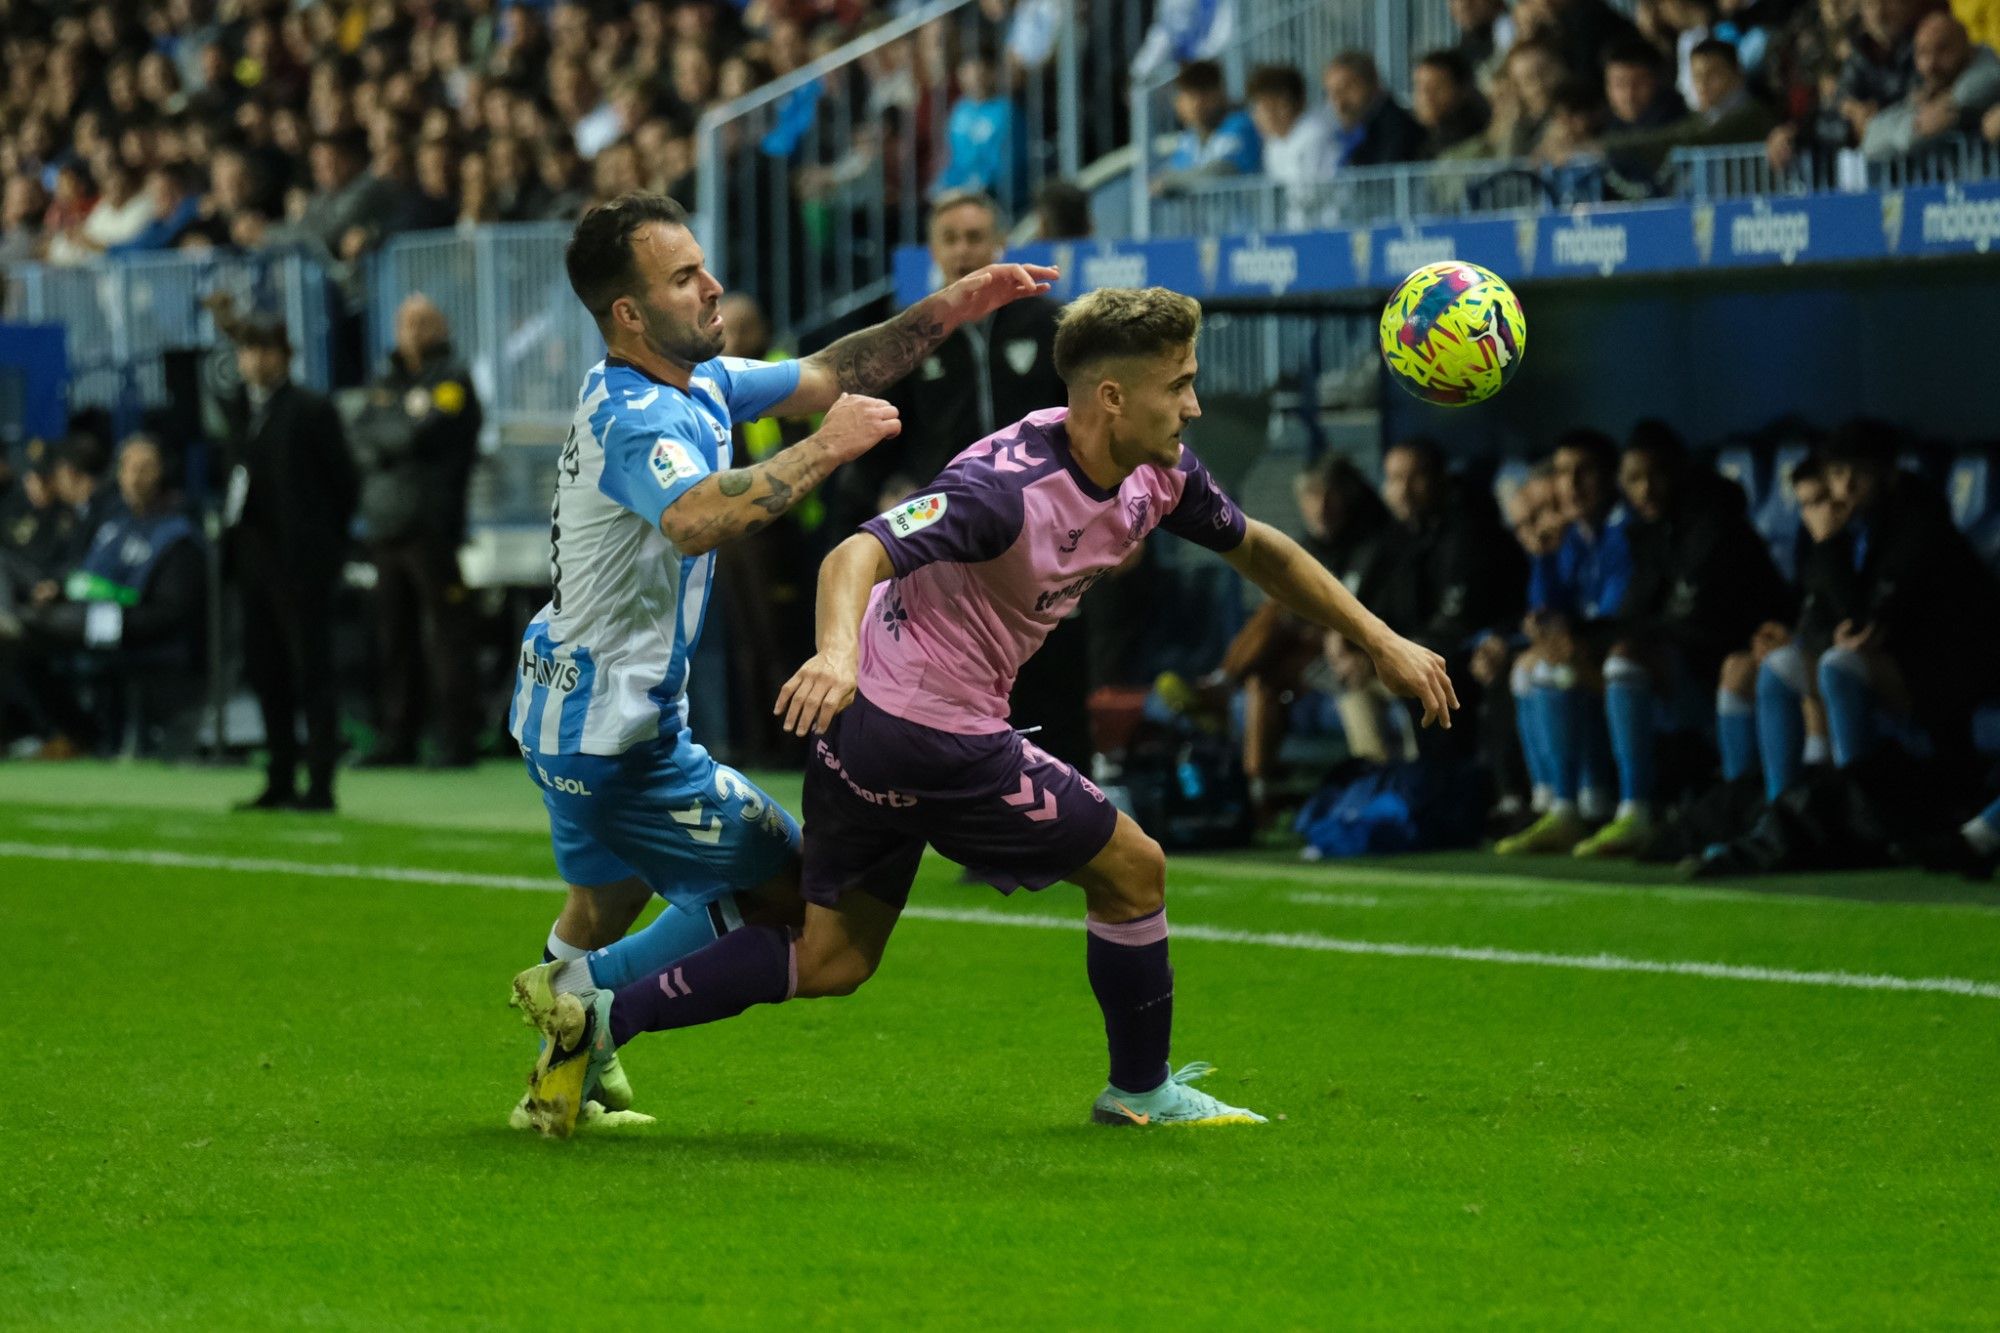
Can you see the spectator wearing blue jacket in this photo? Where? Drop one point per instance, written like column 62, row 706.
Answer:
column 176, row 208
column 1575, row 594
column 1216, row 139
column 985, row 149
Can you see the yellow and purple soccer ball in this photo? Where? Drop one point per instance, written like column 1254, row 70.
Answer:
column 1453, row 333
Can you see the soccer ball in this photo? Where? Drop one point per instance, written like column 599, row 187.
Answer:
column 1453, row 333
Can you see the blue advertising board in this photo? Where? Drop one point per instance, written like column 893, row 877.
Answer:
column 1603, row 241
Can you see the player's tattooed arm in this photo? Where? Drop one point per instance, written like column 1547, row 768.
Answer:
column 876, row 358
column 726, row 505
column 1284, row 569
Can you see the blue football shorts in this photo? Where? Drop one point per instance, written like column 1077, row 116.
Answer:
column 664, row 812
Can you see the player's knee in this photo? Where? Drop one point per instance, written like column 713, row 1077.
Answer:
column 833, row 972
column 604, row 914
column 1622, row 668
column 1785, row 668
column 1521, row 676
column 1142, row 886
column 1739, row 674
column 1837, row 663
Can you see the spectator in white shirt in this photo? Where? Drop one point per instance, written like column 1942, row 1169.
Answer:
column 1298, row 153
column 122, row 212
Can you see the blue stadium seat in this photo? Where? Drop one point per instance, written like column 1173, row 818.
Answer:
column 1740, row 466
column 1778, row 516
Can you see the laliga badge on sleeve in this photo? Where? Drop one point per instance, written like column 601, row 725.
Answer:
column 913, row 516
column 671, row 461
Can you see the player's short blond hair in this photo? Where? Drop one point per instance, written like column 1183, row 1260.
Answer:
column 1122, row 323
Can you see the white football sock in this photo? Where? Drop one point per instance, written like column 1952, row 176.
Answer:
column 1983, row 836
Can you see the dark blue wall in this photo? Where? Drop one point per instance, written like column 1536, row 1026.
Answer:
column 1913, row 343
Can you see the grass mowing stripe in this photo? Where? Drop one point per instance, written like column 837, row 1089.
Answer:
column 1323, row 874
column 1602, row 962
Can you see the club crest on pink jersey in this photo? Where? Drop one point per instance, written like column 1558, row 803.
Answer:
column 1139, row 513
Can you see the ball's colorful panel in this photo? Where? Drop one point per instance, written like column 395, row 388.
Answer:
column 1453, row 333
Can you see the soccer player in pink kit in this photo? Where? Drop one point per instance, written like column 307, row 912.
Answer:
column 924, row 617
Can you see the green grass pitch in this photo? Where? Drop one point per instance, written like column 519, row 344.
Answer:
column 258, row 1069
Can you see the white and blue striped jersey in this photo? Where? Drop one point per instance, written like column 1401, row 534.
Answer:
column 604, row 665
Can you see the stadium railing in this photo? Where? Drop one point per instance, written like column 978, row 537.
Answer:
column 1739, row 171
column 1357, row 195
column 803, row 195
column 1425, row 190
column 514, row 321
column 123, row 316
column 1301, row 33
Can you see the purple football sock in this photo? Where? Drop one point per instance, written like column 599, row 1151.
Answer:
column 1134, row 986
column 754, row 965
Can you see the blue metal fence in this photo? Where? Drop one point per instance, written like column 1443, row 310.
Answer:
column 506, row 296
column 123, row 316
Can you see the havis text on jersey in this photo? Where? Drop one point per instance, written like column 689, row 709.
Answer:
column 539, row 670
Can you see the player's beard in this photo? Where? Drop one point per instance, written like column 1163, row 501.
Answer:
column 678, row 341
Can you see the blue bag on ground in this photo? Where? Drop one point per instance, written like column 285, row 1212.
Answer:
column 1372, row 810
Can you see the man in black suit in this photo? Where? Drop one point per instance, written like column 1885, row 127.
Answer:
column 291, row 496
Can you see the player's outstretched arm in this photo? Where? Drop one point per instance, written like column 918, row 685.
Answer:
column 877, row 357
column 726, row 505
column 825, row 684
column 1282, row 568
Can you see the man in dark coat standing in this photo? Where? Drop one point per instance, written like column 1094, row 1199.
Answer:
column 289, row 502
column 989, row 373
column 416, row 441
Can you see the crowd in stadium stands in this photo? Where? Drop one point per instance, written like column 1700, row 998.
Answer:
column 1650, row 667
column 178, row 124
column 1597, row 101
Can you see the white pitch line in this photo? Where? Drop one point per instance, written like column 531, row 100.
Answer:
column 1310, row 898
column 257, row 865
column 1601, row 962
column 1597, row 962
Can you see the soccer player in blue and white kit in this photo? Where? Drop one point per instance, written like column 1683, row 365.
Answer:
column 645, row 492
